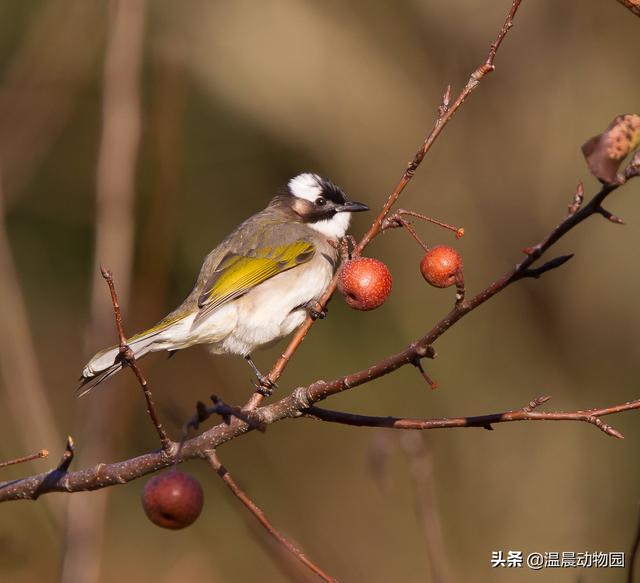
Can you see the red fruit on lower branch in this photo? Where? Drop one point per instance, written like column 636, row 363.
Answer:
column 173, row 499
column 440, row 266
column 365, row 283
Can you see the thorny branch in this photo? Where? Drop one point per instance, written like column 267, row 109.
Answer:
column 297, row 404
column 301, row 402
column 446, row 111
column 226, row 412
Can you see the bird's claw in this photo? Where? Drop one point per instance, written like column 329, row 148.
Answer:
column 316, row 311
column 265, row 385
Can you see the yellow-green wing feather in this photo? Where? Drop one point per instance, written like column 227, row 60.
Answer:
column 159, row 327
column 237, row 274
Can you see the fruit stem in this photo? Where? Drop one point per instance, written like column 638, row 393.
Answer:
column 458, row 231
column 412, row 232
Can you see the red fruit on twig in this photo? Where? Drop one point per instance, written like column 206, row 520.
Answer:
column 365, row 283
column 440, row 265
column 173, row 500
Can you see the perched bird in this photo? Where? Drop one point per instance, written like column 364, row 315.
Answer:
column 258, row 285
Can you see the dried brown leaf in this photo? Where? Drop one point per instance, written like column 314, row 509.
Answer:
column 605, row 152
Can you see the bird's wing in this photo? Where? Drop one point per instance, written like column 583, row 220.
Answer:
column 236, row 274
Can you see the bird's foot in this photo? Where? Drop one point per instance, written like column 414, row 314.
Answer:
column 265, row 385
column 315, row 310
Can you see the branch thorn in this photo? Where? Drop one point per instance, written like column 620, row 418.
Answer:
column 609, row 216
column 536, row 272
column 418, row 364
column 67, row 456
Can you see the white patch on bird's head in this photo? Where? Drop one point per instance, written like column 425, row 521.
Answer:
column 307, row 186
column 321, row 204
column 335, row 227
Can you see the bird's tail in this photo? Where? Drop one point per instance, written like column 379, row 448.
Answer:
column 109, row 361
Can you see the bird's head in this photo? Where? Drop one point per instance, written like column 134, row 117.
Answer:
column 321, row 204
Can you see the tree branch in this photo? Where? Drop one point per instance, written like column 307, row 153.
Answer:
column 445, row 114
column 633, row 5
column 130, row 360
column 27, row 458
column 298, row 403
column 216, row 464
column 301, row 402
column 591, row 416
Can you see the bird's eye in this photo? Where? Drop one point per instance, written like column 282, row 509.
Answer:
column 320, row 201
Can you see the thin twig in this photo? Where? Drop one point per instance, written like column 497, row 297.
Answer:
column 632, row 5
column 610, row 216
column 445, row 114
column 400, row 222
column 591, row 416
column 122, row 339
column 536, row 272
column 227, row 412
column 129, row 358
column 397, row 220
column 418, row 364
column 27, row 458
column 239, row 493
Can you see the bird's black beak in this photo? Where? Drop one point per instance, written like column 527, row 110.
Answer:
column 352, row 207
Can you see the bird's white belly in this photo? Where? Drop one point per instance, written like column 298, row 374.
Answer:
column 274, row 309
column 213, row 330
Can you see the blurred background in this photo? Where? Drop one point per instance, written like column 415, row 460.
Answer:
column 138, row 134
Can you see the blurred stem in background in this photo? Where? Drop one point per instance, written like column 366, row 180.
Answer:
column 416, row 447
column 57, row 52
column 25, row 394
column 115, row 191
column 159, row 222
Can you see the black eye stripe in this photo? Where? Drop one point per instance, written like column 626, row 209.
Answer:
column 330, row 192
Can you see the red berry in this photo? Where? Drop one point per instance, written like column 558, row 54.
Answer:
column 173, row 499
column 365, row 283
column 440, row 265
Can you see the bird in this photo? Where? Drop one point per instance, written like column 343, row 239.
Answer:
column 257, row 286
